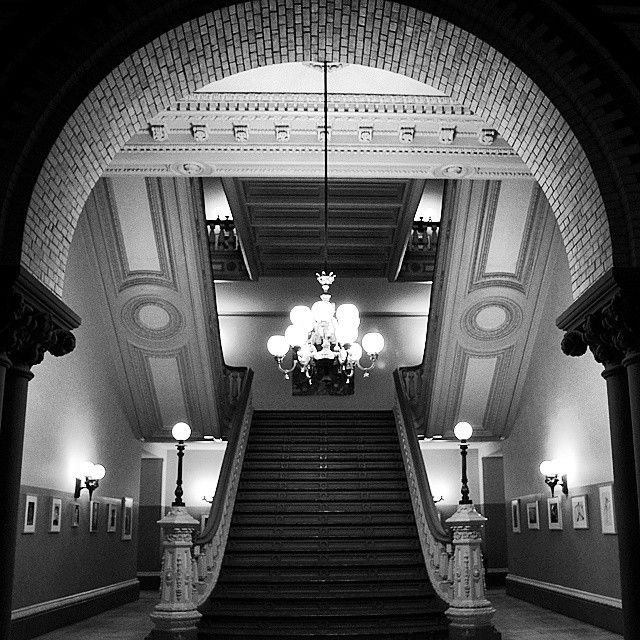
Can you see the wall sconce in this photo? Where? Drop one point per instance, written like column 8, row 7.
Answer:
column 552, row 472
column 88, row 477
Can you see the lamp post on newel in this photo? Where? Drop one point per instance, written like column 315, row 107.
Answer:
column 470, row 612
column 175, row 617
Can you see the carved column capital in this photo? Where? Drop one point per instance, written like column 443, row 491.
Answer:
column 26, row 334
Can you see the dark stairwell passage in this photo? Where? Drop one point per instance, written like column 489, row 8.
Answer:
column 323, row 541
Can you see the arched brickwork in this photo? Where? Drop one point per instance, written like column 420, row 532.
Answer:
column 374, row 33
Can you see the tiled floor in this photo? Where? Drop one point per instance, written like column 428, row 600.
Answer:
column 517, row 620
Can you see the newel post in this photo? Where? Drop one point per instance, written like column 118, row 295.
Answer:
column 470, row 612
column 176, row 617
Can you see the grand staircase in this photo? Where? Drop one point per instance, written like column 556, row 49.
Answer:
column 323, row 541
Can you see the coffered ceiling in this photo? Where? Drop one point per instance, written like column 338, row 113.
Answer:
column 281, row 224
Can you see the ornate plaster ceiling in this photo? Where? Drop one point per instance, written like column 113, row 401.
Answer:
column 147, row 238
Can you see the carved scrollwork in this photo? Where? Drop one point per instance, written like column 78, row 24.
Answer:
column 26, row 334
column 610, row 333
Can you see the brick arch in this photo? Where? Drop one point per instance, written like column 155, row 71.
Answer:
column 389, row 36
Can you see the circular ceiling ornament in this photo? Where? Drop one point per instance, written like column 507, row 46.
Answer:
column 492, row 318
column 190, row 168
column 152, row 318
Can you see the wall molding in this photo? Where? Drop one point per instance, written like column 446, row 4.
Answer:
column 601, row 611
column 75, row 598
column 568, row 591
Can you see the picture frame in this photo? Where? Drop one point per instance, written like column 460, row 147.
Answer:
column 607, row 511
column 55, row 516
column 554, row 513
column 533, row 515
column 30, row 513
column 127, row 518
column 515, row 515
column 94, row 516
column 75, row 515
column 579, row 514
column 112, row 517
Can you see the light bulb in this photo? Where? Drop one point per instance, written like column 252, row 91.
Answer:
column 463, row 431
column 301, row 316
column 373, row 343
column 322, row 310
column 295, row 335
column 181, row 431
column 355, row 352
column 98, row 472
column 278, row 346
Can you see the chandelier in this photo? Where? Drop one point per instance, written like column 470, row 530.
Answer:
column 322, row 336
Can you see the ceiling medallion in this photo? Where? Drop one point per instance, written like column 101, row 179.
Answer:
column 323, row 339
column 492, row 318
column 152, row 318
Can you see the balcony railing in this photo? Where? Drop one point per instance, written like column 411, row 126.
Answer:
column 419, row 260
column 227, row 262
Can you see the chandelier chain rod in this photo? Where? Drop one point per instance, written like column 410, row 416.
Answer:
column 326, row 171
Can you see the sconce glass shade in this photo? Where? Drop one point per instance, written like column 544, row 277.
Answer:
column 99, row 472
column 277, row 346
column 550, row 468
column 373, row 343
column 463, row 431
column 181, row 431
column 85, row 469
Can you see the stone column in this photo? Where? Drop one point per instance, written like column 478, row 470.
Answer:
column 470, row 612
column 176, row 617
column 602, row 332
column 32, row 333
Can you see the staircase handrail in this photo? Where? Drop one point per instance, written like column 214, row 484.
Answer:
column 436, row 542
column 209, row 546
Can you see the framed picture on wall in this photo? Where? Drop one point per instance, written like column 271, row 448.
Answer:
column 579, row 515
column 75, row 515
column 554, row 513
column 94, row 515
column 607, row 513
column 533, row 515
column 112, row 517
column 127, row 518
column 55, row 516
column 30, row 511
column 515, row 515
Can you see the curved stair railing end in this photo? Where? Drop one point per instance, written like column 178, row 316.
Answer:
column 453, row 558
column 191, row 564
